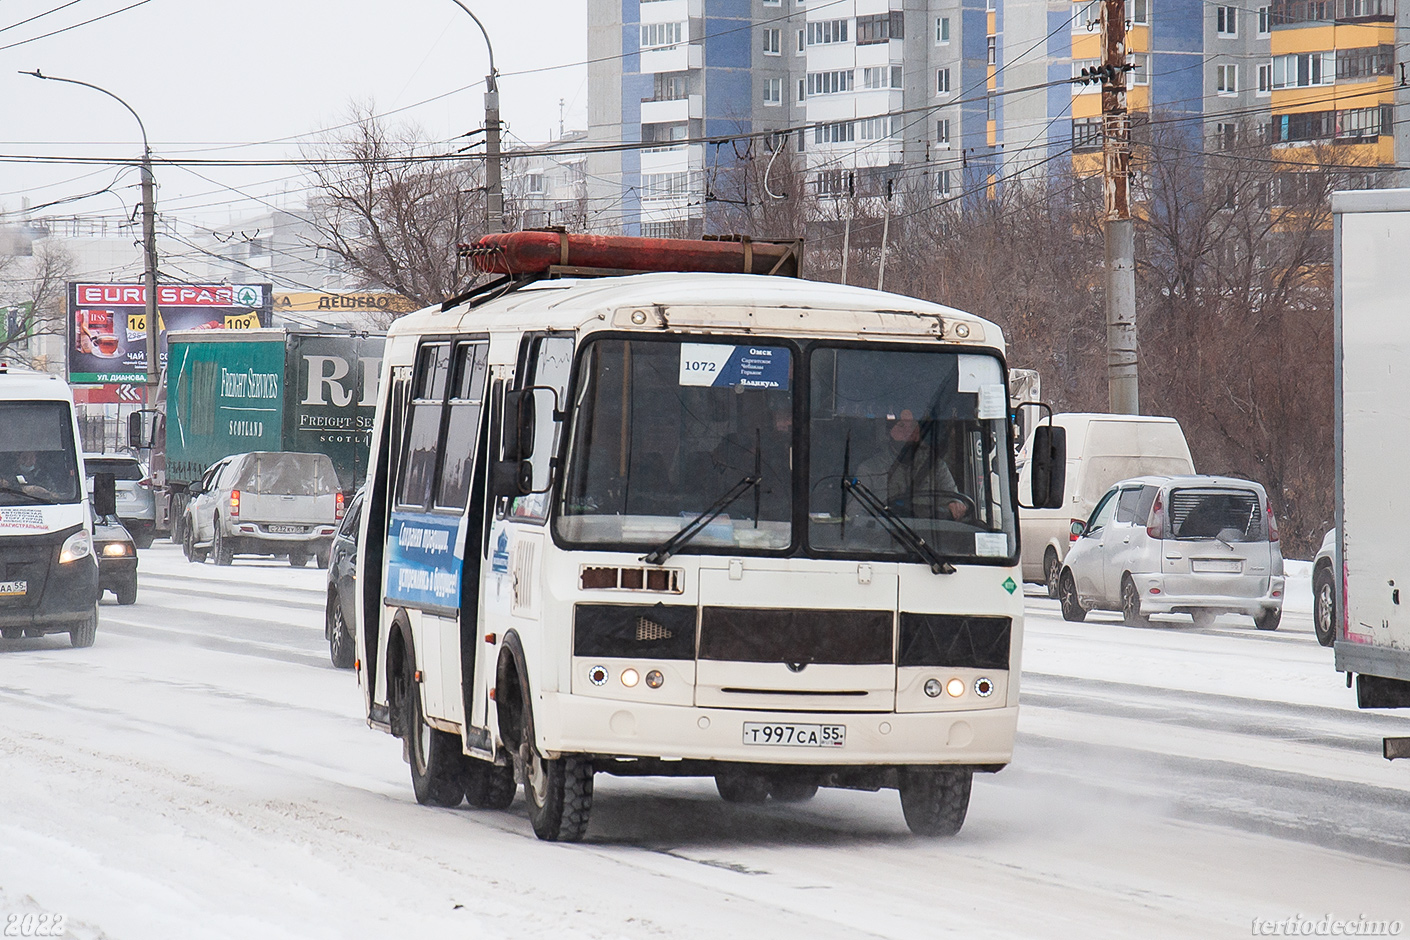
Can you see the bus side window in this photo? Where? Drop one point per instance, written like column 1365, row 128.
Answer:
column 424, row 427
column 462, row 434
column 547, row 362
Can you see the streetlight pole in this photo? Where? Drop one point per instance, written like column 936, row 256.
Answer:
column 149, row 227
column 494, row 185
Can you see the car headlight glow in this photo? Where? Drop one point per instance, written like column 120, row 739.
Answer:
column 76, row 546
column 116, row 549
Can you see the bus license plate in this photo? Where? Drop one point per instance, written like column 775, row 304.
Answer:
column 790, row 735
column 12, row 588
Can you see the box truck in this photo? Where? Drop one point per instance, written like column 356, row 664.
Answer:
column 1370, row 231
column 236, row 391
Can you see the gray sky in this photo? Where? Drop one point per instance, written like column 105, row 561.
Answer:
column 215, row 79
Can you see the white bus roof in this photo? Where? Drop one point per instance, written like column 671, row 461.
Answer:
column 20, row 384
column 707, row 301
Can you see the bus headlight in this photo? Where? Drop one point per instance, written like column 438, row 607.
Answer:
column 76, row 546
column 654, row 679
column 630, row 677
column 955, row 687
column 933, row 688
column 983, row 687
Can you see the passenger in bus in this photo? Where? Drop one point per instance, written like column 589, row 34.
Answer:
column 30, row 475
column 909, row 473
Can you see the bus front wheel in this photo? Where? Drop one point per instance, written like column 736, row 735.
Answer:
column 435, row 756
column 559, row 794
column 935, row 799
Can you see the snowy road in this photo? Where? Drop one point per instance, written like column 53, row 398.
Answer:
column 203, row 771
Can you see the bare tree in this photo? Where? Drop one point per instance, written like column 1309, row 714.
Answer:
column 394, row 209
column 38, row 285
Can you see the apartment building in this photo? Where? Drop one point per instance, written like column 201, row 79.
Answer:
column 954, row 97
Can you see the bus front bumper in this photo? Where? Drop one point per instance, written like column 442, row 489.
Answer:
column 569, row 724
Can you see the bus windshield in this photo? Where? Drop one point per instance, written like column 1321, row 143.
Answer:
column 902, row 445
column 664, row 430
column 38, row 461
column 902, row 440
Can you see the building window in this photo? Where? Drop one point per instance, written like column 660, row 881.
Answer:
column 942, row 30
column 989, row 6
column 1140, row 12
column 942, row 132
column 665, row 184
column 1088, row 18
column 1265, row 79
column 989, row 107
column 881, row 27
column 991, row 49
column 802, row 139
column 1226, row 22
column 1304, row 69
column 942, row 81
column 1226, row 79
column 773, row 91
column 1086, row 134
column 1356, row 64
column 772, row 41
column 839, row 133
column 1224, row 135
column 832, row 182
column 1141, row 70
column 533, row 182
column 827, row 31
column 830, row 83
column 878, row 128
column 658, row 35
column 1078, row 65
column 942, row 183
column 1265, row 20
column 802, row 90
column 802, row 42
column 771, row 3
column 882, row 76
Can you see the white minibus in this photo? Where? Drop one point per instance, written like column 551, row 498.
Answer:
column 731, row 525
column 48, row 572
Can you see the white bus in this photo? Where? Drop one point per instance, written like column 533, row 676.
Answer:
column 729, row 525
column 48, row 572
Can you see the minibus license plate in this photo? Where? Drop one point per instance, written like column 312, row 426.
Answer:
column 791, row 735
column 12, row 588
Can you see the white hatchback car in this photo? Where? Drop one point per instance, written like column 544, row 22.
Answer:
column 1197, row 545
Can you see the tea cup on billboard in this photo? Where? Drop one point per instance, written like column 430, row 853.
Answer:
column 95, row 333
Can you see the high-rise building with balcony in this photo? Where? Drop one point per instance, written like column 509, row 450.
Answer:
column 954, row 97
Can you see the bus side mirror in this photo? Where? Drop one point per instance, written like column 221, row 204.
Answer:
column 104, row 494
column 1049, row 466
column 519, row 419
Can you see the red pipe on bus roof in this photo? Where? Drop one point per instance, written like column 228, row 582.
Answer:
column 536, row 252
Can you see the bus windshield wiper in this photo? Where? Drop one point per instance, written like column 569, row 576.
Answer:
column 896, row 526
column 7, row 488
column 696, row 525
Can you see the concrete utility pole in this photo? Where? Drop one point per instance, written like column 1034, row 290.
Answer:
column 494, row 185
column 149, row 232
column 1122, row 389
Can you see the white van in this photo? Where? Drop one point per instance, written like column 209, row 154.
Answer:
column 48, row 572
column 1102, row 449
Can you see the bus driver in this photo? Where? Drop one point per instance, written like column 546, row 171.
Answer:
column 910, row 474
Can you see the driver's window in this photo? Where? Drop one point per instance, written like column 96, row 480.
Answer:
column 1102, row 514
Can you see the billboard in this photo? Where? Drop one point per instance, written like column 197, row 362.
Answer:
column 107, row 323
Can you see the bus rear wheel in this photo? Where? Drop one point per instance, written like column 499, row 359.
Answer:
column 487, row 785
column 934, row 799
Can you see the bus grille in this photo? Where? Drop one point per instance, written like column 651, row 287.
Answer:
column 840, row 637
column 962, row 642
column 657, row 631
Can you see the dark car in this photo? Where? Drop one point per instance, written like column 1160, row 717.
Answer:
column 340, row 620
column 117, row 558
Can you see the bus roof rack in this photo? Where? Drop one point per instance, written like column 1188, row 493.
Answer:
column 554, row 252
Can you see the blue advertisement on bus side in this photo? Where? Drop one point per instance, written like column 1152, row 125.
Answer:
column 424, row 559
